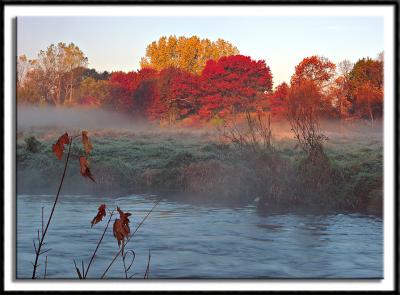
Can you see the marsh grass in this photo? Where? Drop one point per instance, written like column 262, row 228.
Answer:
column 197, row 165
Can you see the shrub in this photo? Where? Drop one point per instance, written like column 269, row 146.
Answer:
column 254, row 135
column 32, row 145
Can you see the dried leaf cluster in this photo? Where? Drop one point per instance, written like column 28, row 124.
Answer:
column 58, row 150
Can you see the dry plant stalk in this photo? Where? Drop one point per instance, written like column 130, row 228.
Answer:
column 121, row 232
column 41, row 243
column 255, row 134
column 128, row 239
column 304, row 117
column 58, row 150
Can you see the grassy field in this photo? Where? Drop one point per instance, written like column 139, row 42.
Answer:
column 197, row 166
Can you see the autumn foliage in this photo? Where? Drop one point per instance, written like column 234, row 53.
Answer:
column 303, row 114
column 58, row 147
column 100, row 214
column 121, row 229
column 58, row 150
column 229, row 85
column 314, row 68
column 186, row 53
column 84, row 167
column 278, row 101
column 87, row 145
column 233, row 84
column 191, row 80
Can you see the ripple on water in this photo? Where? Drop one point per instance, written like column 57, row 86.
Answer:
column 188, row 241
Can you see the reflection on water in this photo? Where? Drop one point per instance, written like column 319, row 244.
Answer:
column 189, row 241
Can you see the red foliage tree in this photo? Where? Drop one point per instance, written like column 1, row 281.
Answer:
column 122, row 88
column 132, row 91
column 90, row 101
column 146, row 94
column 278, row 101
column 147, row 100
column 179, row 91
column 147, row 74
column 232, row 84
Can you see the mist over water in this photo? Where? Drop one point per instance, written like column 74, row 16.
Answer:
column 30, row 118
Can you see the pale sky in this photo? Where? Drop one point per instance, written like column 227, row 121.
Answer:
column 118, row 43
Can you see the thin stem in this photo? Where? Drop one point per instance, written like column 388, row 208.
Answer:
column 126, row 269
column 42, row 221
column 83, row 267
column 137, row 228
column 78, row 271
column 98, row 245
column 45, row 268
column 51, row 214
column 123, row 261
column 146, row 275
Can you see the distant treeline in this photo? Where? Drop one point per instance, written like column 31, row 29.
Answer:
column 195, row 80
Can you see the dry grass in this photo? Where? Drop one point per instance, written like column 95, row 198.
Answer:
column 197, row 163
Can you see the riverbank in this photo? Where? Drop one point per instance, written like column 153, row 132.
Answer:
column 196, row 166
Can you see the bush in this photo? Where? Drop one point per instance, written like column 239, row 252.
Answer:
column 254, row 134
column 32, row 145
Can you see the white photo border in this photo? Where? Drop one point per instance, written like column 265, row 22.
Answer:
column 386, row 11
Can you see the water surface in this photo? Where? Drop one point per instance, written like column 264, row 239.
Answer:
column 189, row 241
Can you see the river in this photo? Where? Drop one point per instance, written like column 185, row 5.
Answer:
column 191, row 241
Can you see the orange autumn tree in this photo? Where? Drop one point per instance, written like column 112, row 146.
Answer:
column 368, row 101
column 338, row 94
column 314, row 68
column 339, row 91
column 186, row 53
column 320, row 71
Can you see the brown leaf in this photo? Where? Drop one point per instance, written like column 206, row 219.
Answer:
column 124, row 216
column 121, row 232
column 121, row 228
column 87, row 145
column 58, row 147
column 100, row 214
column 84, row 165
